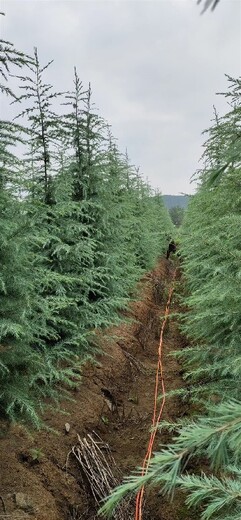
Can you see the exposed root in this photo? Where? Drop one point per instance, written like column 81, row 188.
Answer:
column 3, row 504
column 138, row 365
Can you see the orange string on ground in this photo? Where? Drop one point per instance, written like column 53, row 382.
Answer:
column 155, row 418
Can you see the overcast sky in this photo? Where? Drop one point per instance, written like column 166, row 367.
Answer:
column 154, row 67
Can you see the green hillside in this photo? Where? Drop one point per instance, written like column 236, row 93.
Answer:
column 172, row 201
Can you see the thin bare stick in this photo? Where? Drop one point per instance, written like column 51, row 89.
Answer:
column 96, row 462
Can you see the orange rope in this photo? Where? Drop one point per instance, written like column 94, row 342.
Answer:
column 155, row 418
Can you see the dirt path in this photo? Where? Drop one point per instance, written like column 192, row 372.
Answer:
column 34, row 482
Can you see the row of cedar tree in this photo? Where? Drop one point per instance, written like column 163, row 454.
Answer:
column 78, row 228
column 204, row 457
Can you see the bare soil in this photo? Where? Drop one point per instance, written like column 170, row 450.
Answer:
column 35, row 484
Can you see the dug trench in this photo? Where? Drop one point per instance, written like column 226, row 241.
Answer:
column 40, row 477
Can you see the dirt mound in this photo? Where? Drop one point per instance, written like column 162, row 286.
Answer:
column 115, row 400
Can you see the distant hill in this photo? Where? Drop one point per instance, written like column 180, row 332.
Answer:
column 172, row 201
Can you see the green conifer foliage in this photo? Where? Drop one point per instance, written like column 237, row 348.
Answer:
column 211, row 253
column 118, row 233
column 89, row 191
column 36, row 100
column 14, row 329
column 154, row 225
column 18, row 363
column 79, row 226
column 10, row 58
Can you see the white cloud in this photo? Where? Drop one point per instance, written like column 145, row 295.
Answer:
column 154, row 65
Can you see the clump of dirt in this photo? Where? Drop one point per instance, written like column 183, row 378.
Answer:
column 115, row 399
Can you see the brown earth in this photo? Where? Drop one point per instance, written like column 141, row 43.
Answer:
column 35, row 484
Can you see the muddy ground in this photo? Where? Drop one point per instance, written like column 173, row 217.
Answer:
column 35, row 484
